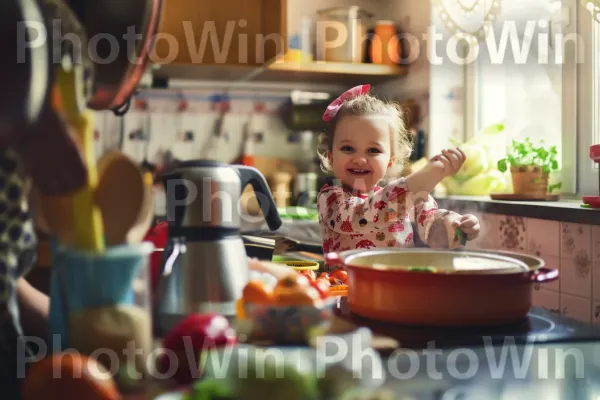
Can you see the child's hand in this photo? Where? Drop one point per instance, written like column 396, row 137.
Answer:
column 469, row 224
column 450, row 161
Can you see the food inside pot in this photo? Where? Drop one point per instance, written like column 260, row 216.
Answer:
column 441, row 262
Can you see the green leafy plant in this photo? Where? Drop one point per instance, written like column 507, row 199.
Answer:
column 524, row 153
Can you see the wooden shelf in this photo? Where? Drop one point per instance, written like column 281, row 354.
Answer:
column 327, row 72
column 310, row 72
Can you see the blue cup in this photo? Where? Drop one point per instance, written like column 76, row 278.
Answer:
column 82, row 280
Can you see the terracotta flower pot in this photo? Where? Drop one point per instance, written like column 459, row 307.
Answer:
column 530, row 180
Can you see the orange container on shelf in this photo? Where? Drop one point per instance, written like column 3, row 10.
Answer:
column 385, row 45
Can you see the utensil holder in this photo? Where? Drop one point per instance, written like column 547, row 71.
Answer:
column 100, row 305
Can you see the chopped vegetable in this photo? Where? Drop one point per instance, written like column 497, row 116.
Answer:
column 423, row 269
column 461, row 236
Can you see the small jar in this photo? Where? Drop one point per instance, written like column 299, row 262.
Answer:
column 385, row 46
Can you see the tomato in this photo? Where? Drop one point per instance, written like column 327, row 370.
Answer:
column 310, row 274
column 341, row 275
column 325, row 281
column 322, row 287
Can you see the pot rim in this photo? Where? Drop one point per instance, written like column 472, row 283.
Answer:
column 346, row 257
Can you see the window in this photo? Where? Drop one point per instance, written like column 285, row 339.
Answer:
column 588, row 102
column 526, row 89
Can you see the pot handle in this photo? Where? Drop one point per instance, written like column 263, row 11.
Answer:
column 334, row 259
column 544, row 274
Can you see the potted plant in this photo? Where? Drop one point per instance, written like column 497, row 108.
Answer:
column 530, row 166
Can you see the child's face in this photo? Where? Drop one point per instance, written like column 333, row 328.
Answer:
column 361, row 152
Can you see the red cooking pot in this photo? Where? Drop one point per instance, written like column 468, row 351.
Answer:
column 441, row 288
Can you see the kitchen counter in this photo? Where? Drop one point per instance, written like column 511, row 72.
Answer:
column 510, row 372
column 565, row 210
column 510, row 369
column 559, row 371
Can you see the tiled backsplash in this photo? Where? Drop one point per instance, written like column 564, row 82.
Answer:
column 572, row 248
column 192, row 134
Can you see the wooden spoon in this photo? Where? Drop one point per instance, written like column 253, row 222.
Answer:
column 53, row 215
column 146, row 215
column 121, row 196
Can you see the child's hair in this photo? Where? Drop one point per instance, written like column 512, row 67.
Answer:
column 368, row 105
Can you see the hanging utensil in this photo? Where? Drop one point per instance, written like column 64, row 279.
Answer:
column 146, row 165
column 116, row 81
column 87, row 220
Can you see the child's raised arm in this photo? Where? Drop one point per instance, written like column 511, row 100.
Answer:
column 442, row 165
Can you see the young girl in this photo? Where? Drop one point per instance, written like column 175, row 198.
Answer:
column 366, row 143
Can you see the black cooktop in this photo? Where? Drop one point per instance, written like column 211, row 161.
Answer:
column 541, row 326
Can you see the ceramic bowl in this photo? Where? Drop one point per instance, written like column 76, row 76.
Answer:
column 289, row 324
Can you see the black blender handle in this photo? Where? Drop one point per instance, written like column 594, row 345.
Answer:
column 250, row 175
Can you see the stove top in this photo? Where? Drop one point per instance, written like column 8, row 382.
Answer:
column 540, row 326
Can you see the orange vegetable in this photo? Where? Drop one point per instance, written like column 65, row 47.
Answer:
column 291, row 280
column 295, row 290
column 255, row 292
column 298, row 296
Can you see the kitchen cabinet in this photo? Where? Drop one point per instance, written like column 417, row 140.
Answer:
column 202, row 40
column 209, row 32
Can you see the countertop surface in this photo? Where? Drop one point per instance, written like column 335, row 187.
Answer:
column 515, row 372
column 567, row 209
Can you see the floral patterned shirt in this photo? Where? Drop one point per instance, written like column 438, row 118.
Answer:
column 388, row 217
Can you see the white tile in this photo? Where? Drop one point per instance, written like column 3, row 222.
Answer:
column 546, row 299
column 576, row 277
column 575, row 241
column 596, row 243
column 543, row 237
column 512, row 233
column 578, row 308
column 554, row 263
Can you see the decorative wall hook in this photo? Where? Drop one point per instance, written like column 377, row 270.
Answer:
column 183, row 103
column 141, row 104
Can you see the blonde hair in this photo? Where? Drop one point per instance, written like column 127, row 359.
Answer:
column 368, row 105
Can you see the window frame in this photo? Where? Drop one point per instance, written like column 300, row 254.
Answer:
column 573, row 93
column 588, row 98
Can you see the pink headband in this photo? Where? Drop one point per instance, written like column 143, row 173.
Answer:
column 334, row 106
